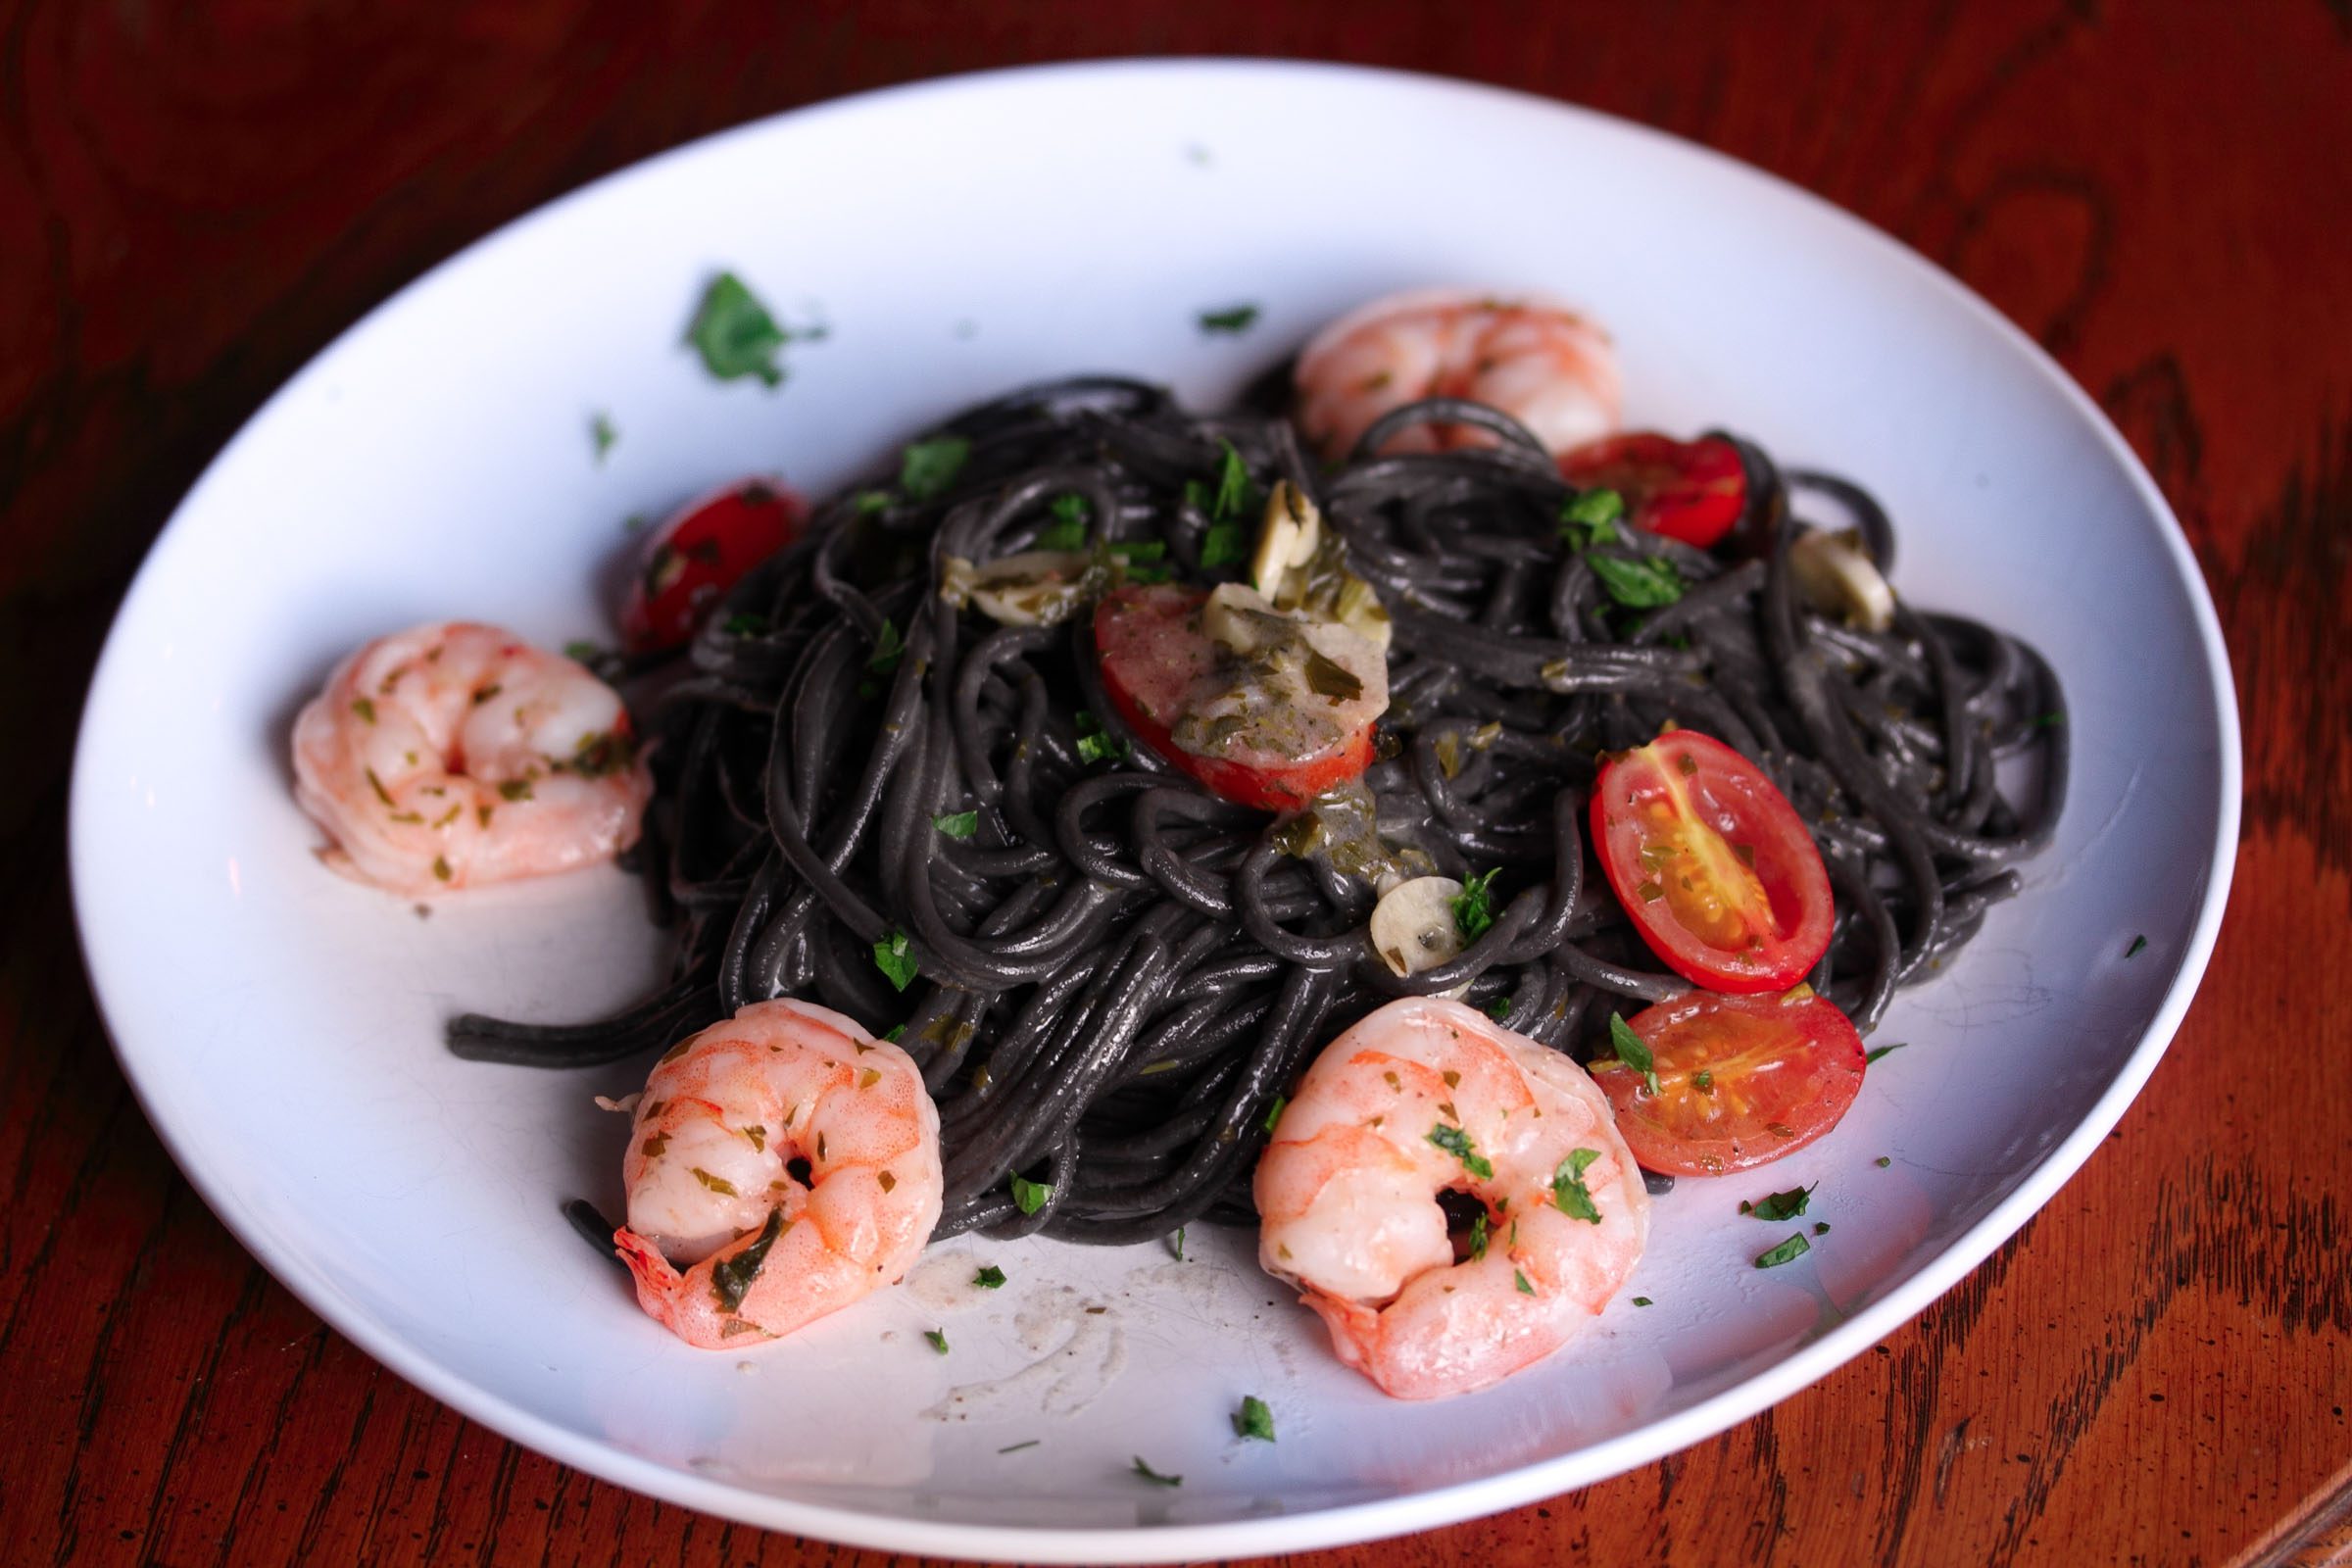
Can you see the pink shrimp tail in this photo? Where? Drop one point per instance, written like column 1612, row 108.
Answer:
column 657, row 1283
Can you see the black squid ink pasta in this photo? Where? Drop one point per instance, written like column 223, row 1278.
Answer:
column 1111, row 974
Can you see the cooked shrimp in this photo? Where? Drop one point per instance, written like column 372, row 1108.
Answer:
column 1534, row 359
column 1426, row 1096
column 729, row 1120
column 455, row 753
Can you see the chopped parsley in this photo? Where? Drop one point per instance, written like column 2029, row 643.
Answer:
column 888, row 646
column 1632, row 1051
column 1275, row 1111
column 937, row 1338
column 1178, row 1241
column 1015, row 1447
column 1231, row 496
column 1868, row 1057
column 926, row 468
column 1638, row 584
column 1456, row 1142
column 730, row 1279
column 1643, row 1301
column 1778, row 1206
column 1154, row 1476
column 735, row 335
column 601, row 434
column 1821, row 1227
column 1882, row 1161
column 2048, row 721
column 897, row 1034
column 364, row 707
column 959, row 825
column 1525, row 1289
column 1253, row 1419
column 1224, row 545
column 1234, row 320
column 1474, row 905
column 1568, row 1192
column 1704, row 1081
column 867, row 502
column 1478, row 1238
column 2137, row 943
column 1590, row 518
column 1795, row 1247
column 991, row 1278
column 745, row 625
column 1093, row 744
column 1499, row 1008
column 897, row 963
column 1027, row 1196
column 1067, row 531
column 583, row 652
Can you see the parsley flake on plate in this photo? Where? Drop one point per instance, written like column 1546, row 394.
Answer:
column 1154, row 1476
column 1632, row 1051
column 1253, row 1419
column 1232, row 321
column 735, row 335
column 1778, row 1206
column 892, row 957
column 937, row 1338
column 1795, row 1247
column 1638, row 584
column 1029, row 1197
column 991, row 1278
column 1568, row 1192
column 926, row 468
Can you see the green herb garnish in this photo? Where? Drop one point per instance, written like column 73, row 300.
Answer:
column 602, row 435
column 731, row 1279
column 1456, row 1142
column 1233, row 486
column 1778, row 1206
column 1868, row 1057
column 991, row 1278
column 1591, row 519
column 1703, row 1081
column 1067, row 531
column 926, row 468
column 745, row 625
column 582, row 652
column 1094, row 743
column 1821, row 1227
column 1015, row 1447
column 1632, row 1051
column 1525, row 1289
column 869, row 502
column 1234, row 320
column 736, row 336
column 895, row 960
column 364, row 707
column 1882, row 1161
column 1478, row 1238
column 1253, row 1419
column 1794, row 1246
column 1474, row 905
column 1499, row 1008
column 1154, row 1476
column 1568, row 1192
column 959, row 825
column 937, row 1338
column 897, row 1034
column 1637, row 584
column 2137, row 943
column 1275, row 1111
column 1179, row 1239
column 888, row 646
column 1643, row 1301
column 1027, row 1196
column 1223, row 545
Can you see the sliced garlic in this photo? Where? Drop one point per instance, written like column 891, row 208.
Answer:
column 1290, row 524
column 1035, row 588
column 1413, row 927
column 1836, row 573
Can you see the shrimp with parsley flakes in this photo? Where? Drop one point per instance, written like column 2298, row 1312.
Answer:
column 781, row 1164
column 1426, row 1096
column 456, row 754
column 1532, row 358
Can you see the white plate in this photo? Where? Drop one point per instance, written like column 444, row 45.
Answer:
column 281, row 1026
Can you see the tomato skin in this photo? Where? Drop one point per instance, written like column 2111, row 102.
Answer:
column 1151, row 645
column 686, row 565
column 1695, row 491
column 1783, row 1071
column 1688, row 832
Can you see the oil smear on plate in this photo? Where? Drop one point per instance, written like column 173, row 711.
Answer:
column 1079, row 1346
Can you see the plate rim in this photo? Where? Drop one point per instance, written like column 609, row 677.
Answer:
column 1348, row 1524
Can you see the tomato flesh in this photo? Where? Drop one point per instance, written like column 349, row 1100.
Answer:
column 688, row 564
column 1158, row 664
column 1694, row 491
column 1741, row 1080
column 1712, row 864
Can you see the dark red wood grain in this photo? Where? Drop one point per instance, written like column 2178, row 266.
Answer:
column 194, row 199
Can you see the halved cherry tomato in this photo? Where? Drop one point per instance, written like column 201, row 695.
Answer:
column 1712, row 862
column 704, row 549
column 1741, row 1080
column 1694, row 491
column 1159, row 665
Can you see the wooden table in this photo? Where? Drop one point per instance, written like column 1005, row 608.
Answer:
column 2155, row 1370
